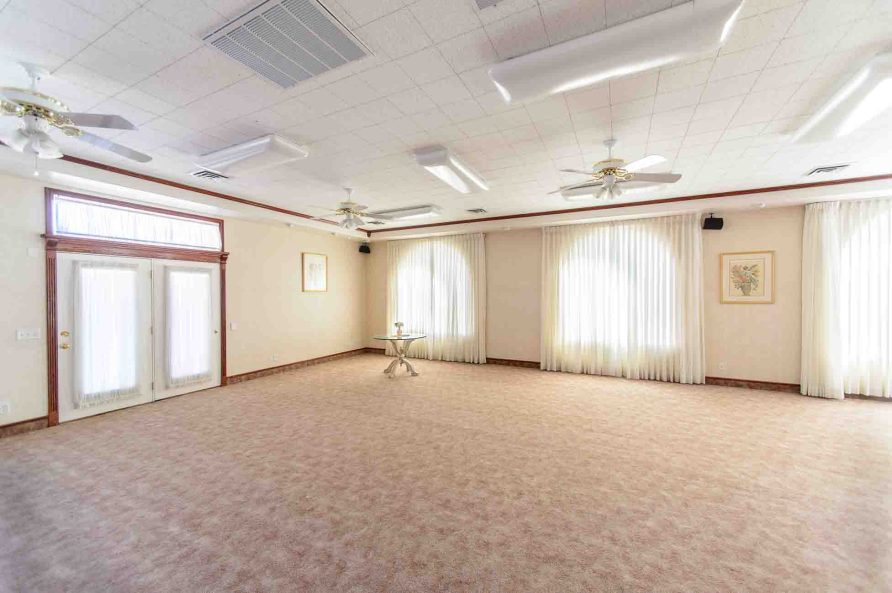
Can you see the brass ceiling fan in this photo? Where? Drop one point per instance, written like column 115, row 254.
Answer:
column 609, row 176
column 40, row 114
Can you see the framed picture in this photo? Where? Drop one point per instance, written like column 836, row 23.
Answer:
column 747, row 277
column 315, row 272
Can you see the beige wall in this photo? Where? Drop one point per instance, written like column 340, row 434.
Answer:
column 22, row 299
column 513, row 292
column 757, row 342
column 376, row 297
column 276, row 322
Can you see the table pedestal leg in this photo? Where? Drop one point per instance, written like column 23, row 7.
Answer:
column 401, row 360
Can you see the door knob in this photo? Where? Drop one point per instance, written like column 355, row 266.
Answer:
column 64, row 333
column 64, row 346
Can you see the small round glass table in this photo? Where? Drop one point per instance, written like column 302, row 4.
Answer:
column 400, row 347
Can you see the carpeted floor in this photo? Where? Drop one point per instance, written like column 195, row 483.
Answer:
column 466, row 478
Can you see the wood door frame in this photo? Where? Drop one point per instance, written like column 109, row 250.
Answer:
column 60, row 243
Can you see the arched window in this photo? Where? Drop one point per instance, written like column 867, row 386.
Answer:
column 435, row 287
column 625, row 299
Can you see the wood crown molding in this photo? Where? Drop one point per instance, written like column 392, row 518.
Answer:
column 611, row 206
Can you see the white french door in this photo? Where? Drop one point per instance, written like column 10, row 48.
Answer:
column 134, row 330
column 187, row 326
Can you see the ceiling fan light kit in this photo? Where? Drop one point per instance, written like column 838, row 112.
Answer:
column 662, row 38
column 438, row 161
column 864, row 96
column 40, row 113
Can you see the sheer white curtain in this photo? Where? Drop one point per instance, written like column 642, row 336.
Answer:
column 84, row 218
column 105, row 332
column 437, row 286
column 188, row 324
column 624, row 299
column 847, row 299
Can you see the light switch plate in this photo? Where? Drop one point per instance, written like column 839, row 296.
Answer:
column 4, row 408
column 31, row 333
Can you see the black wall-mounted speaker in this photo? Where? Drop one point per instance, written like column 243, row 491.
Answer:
column 713, row 224
column 365, row 248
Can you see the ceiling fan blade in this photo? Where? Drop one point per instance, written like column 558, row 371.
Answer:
column 601, row 193
column 114, row 147
column 645, row 162
column 99, row 120
column 575, row 171
column 656, row 177
column 575, row 186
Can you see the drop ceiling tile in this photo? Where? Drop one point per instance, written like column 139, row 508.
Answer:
column 397, row 34
column 352, row 90
column 364, row 12
column 548, row 108
column 717, row 109
column 676, row 116
column 157, row 32
column 629, row 109
column 446, row 90
column 145, row 101
column 109, row 11
column 729, row 87
column 323, row 101
column 677, row 99
column 594, row 117
column 742, row 62
column 569, row 19
column 811, row 45
column 195, row 18
column 620, row 11
column 469, row 50
column 630, row 88
column 63, row 16
column 759, row 29
column 412, row 101
column 433, row 119
column 202, row 72
column 82, row 76
column 445, row 20
column 681, row 77
column 478, row 127
column 387, row 79
column 114, row 65
column 827, row 14
column 317, row 129
column 518, row 34
column 588, row 99
column 425, row 66
column 463, row 110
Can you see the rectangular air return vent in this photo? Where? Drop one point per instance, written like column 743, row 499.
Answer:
column 826, row 169
column 477, row 210
column 287, row 41
column 210, row 175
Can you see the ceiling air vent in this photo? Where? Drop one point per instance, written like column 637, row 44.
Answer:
column 477, row 210
column 825, row 170
column 287, row 41
column 210, row 175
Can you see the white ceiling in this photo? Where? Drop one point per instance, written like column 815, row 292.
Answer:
column 722, row 120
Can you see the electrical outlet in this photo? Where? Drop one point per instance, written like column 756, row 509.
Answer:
column 31, row 333
column 4, row 408
column 723, row 366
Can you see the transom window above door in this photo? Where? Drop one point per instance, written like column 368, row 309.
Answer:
column 71, row 215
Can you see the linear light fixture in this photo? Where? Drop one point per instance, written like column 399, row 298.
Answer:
column 439, row 162
column 653, row 41
column 412, row 212
column 864, row 96
column 251, row 156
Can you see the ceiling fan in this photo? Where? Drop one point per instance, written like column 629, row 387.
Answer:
column 609, row 175
column 354, row 214
column 39, row 113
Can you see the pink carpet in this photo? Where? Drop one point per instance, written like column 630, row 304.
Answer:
column 466, row 478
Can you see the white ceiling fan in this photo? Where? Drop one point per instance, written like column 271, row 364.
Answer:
column 354, row 214
column 40, row 113
column 609, row 177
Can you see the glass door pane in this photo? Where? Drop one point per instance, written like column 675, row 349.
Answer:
column 105, row 346
column 187, row 313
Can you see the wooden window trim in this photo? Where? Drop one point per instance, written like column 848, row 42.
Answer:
column 61, row 243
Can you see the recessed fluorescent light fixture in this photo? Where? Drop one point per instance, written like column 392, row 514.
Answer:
column 863, row 97
column 251, row 156
column 662, row 38
column 410, row 213
column 439, row 162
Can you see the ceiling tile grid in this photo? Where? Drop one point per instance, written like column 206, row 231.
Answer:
column 722, row 120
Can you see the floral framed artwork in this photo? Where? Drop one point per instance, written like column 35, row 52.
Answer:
column 747, row 277
column 315, row 272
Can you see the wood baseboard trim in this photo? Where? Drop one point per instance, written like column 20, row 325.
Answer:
column 510, row 362
column 375, row 350
column 23, row 426
column 292, row 366
column 749, row 384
